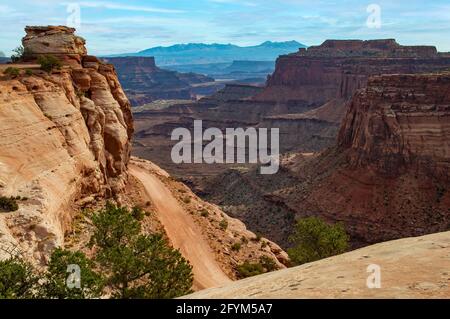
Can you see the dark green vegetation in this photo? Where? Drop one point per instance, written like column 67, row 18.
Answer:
column 49, row 63
column 139, row 266
column 313, row 239
column 19, row 54
column 249, row 269
column 8, row 204
column 12, row 72
column 127, row 264
column 17, row 279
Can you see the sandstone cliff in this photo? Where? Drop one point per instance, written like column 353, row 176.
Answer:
column 337, row 68
column 400, row 121
column 64, row 135
column 409, row 268
column 65, row 146
column 386, row 178
column 144, row 82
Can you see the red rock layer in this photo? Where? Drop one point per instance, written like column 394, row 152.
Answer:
column 399, row 121
column 336, row 69
column 64, row 136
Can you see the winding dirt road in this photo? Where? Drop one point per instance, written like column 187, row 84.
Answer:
column 182, row 231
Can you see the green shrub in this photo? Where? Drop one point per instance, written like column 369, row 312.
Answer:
column 17, row 279
column 313, row 239
column 248, row 269
column 55, row 279
column 28, row 72
column 223, row 224
column 236, row 246
column 13, row 72
column 257, row 237
column 138, row 213
column 204, row 213
column 138, row 266
column 18, row 54
column 8, row 204
column 49, row 63
column 268, row 263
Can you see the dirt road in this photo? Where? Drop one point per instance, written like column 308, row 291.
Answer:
column 183, row 232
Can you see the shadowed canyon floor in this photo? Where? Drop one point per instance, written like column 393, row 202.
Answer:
column 410, row 268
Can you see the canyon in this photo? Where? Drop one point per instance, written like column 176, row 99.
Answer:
column 144, row 82
column 65, row 143
column 365, row 137
column 306, row 98
column 385, row 178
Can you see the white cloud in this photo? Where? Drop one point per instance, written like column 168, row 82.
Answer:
column 124, row 7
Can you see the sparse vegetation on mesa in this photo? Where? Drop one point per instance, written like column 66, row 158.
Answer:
column 250, row 269
column 20, row 53
column 49, row 63
column 127, row 263
column 12, row 72
column 314, row 239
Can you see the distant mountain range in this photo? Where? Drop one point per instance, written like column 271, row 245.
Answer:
column 200, row 53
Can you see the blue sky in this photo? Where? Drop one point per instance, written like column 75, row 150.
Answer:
column 118, row 26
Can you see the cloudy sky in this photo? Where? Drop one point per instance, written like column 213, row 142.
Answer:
column 118, row 26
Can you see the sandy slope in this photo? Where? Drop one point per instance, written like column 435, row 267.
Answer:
column 410, row 268
column 183, row 232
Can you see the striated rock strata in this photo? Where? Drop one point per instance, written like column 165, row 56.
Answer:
column 386, row 178
column 337, row 68
column 144, row 82
column 64, row 135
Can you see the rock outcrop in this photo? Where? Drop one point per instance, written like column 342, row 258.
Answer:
column 144, row 82
column 337, row 68
column 409, row 268
column 64, row 135
column 65, row 146
column 400, row 121
column 386, row 178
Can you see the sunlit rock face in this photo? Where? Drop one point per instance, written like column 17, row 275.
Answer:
column 64, row 135
column 337, row 68
column 400, row 121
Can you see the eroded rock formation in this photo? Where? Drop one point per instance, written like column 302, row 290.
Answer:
column 64, row 135
column 144, row 82
column 386, row 178
column 400, row 121
column 337, row 68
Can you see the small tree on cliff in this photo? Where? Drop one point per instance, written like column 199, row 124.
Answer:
column 17, row 279
column 314, row 239
column 55, row 284
column 137, row 266
column 20, row 53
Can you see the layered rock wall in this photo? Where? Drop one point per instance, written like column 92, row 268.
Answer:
column 65, row 135
column 145, row 82
column 336, row 69
column 399, row 121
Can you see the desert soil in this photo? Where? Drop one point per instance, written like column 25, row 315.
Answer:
column 184, row 234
